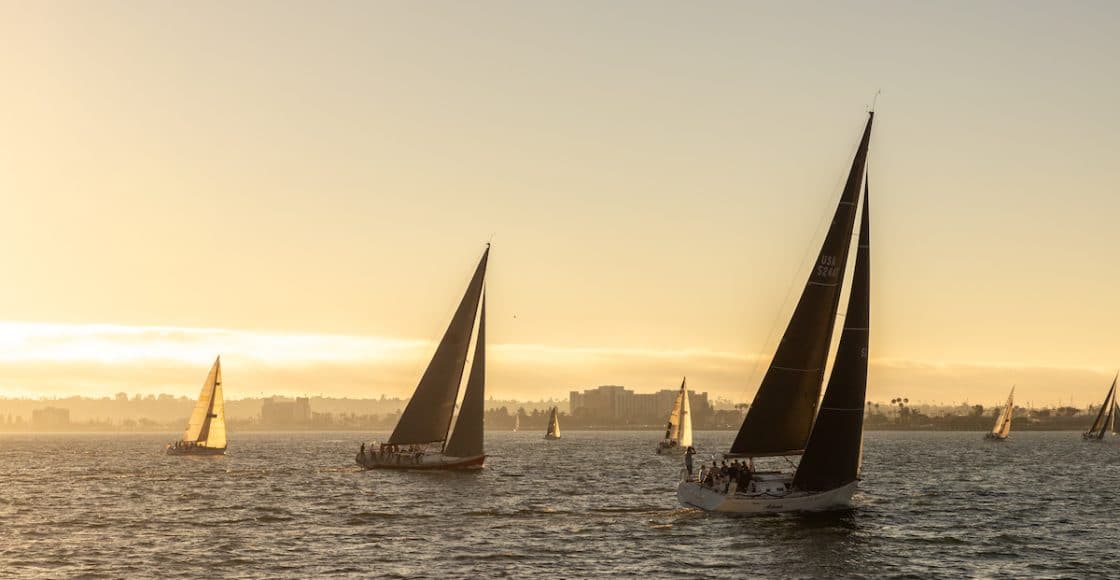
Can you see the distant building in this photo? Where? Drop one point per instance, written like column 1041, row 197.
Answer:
column 615, row 404
column 283, row 413
column 50, row 418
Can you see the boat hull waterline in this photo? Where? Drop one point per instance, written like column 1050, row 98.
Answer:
column 692, row 494
column 427, row 461
column 196, row 451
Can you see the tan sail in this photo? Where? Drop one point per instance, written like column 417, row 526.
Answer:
column 673, row 429
column 685, row 438
column 553, row 425
column 1105, row 417
column 1003, row 422
column 207, row 426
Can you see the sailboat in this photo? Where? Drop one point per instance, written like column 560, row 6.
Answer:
column 1106, row 418
column 423, row 437
column 678, row 433
column 516, row 422
column 783, row 420
column 206, row 430
column 553, row 425
column 1002, row 427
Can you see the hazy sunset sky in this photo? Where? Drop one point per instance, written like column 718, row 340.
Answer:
column 306, row 188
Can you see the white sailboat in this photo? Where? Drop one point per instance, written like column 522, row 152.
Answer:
column 1002, row 427
column 427, row 419
column 206, row 430
column 678, row 433
column 516, row 422
column 1105, row 423
column 553, row 431
column 783, row 420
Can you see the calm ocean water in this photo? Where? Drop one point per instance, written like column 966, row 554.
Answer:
column 589, row 505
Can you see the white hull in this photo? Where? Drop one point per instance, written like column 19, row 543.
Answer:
column 370, row 460
column 692, row 494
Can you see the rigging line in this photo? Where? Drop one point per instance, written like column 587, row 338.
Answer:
column 808, row 255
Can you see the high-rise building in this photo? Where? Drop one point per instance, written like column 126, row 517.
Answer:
column 619, row 405
column 282, row 413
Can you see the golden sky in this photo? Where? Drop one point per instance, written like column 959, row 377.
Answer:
column 306, row 188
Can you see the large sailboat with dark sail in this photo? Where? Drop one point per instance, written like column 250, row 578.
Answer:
column 783, row 421
column 206, row 429
column 1105, row 423
column 429, row 435
column 1002, row 428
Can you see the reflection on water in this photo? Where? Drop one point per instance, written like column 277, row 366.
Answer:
column 591, row 504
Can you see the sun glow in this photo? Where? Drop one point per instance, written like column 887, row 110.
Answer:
column 111, row 344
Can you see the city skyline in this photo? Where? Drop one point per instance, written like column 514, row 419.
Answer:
column 309, row 203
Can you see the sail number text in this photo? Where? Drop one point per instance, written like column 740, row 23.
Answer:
column 827, row 268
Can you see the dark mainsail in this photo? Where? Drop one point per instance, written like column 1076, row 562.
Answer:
column 466, row 439
column 832, row 455
column 427, row 416
column 781, row 415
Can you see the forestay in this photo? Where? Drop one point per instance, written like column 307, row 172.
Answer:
column 781, row 416
column 427, row 417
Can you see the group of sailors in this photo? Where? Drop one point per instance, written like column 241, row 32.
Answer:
column 719, row 477
column 184, row 445
column 394, row 454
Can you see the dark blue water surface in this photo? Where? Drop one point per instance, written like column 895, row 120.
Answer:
column 590, row 505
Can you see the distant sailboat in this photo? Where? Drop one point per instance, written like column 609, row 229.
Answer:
column 1106, row 418
column 553, row 425
column 516, row 422
column 783, row 419
column 1002, row 427
column 678, row 433
column 206, row 431
column 427, row 419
